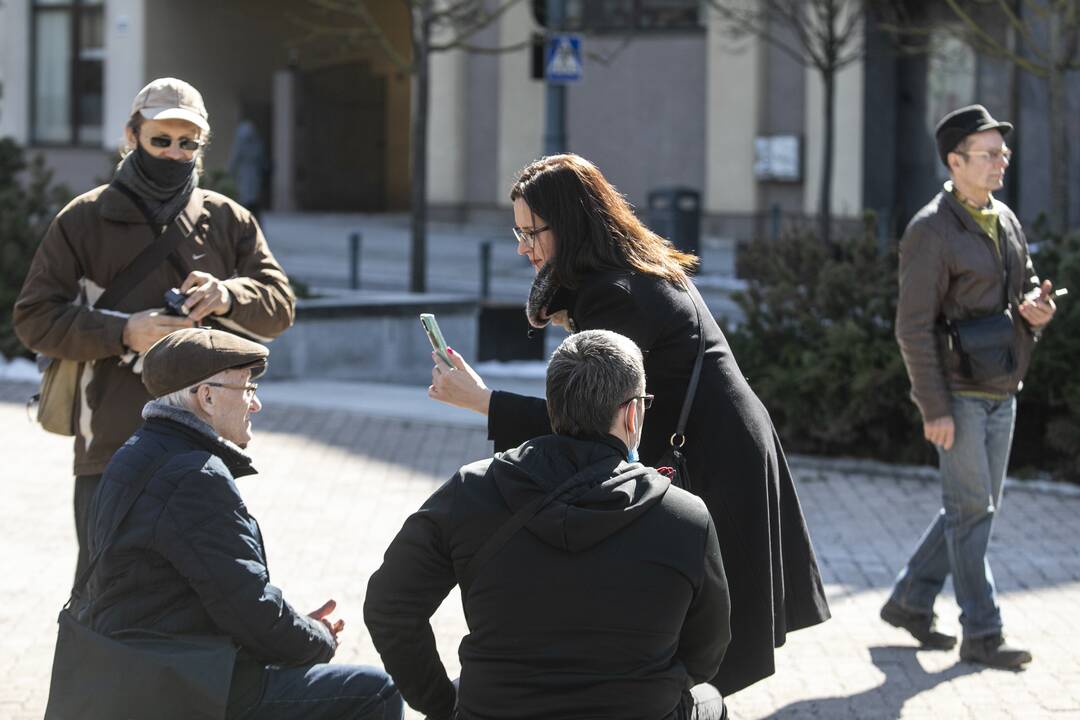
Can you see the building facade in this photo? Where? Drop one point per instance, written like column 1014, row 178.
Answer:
column 667, row 98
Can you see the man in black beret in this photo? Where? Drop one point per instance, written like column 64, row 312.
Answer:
column 970, row 311
column 188, row 558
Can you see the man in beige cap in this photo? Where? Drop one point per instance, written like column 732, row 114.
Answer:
column 96, row 290
column 187, row 557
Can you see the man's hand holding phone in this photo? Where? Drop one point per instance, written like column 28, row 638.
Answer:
column 1038, row 307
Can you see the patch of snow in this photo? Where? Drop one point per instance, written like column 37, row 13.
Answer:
column 19, row 370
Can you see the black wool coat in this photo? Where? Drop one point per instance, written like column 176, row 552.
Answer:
column 736, row 463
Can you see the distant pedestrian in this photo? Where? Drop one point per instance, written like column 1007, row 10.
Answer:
column 95, row 292
column 592, row 587
column 185, row 557
column 248, row 165
column 598, row 267
column 969, row 314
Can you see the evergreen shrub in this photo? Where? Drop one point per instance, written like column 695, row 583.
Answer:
column 28, row 202
column 817, row 346
column 1048, row 415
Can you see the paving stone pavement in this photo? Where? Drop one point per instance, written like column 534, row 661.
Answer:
column 335, row 486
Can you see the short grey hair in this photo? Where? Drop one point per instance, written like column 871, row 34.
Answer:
column 590, row 375
column 183, row 399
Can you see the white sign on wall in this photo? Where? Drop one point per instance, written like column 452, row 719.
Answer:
column 778, row 158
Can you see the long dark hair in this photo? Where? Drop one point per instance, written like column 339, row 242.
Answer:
column 594, row 226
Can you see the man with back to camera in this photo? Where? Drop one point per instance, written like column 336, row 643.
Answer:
column 969, row 313
column 607, row 600
column 189, row 559
column 222, row 264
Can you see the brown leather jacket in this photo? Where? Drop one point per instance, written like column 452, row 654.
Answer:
column 949, row 270
column 87, row 245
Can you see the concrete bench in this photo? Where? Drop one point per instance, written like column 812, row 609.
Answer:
column 373, row 337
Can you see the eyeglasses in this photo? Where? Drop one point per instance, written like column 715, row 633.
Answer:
column 249, row 389
column 185, row 144
column 991, row 155
column 528, row 236
column 647, row 398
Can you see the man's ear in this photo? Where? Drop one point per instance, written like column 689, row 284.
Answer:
column 632, row 416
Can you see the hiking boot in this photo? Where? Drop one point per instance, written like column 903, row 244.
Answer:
column 993, row 651
column 922, row 626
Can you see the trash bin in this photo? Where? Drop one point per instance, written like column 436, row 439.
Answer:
column 675, row 213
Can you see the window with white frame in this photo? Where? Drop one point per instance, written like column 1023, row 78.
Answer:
column 68, row 41
column 633, row 15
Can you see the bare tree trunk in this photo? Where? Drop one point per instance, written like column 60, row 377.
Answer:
column 1059, row 152
column 421, row 42
column 828, row 77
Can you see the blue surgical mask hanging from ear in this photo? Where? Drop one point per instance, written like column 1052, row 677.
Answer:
column 632, row 453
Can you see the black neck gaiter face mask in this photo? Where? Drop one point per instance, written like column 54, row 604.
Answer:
column 166, row 174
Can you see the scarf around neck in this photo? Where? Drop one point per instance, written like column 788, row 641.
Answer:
column 544, row 287
column 163, row 201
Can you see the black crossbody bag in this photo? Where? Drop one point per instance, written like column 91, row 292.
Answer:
column 674, row 459
column 984, row 345
column 136, row 674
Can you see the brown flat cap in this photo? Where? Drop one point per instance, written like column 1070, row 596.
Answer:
column 186, row 357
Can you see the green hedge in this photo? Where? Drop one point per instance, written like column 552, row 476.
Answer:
column 28, row 203
column 1048, row 421
column 818, row 347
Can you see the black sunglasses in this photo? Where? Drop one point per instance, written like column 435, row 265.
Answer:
column 186, row 144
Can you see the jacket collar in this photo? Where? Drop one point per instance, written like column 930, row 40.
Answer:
column 961, row 212
column 118, row 207
column 192, row 427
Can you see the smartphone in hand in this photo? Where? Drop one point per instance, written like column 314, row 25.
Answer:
column 435, row 337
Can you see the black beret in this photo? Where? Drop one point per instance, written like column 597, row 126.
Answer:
column 958, row 124
column 186, row 357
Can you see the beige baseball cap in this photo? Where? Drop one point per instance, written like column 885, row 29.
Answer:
column 171, row 99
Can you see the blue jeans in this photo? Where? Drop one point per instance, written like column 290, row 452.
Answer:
column 972, row 475
column 326, row 692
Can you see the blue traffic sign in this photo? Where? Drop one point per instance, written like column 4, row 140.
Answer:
column 563, row 63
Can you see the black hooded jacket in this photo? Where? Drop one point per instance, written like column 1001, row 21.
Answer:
column 610, row 603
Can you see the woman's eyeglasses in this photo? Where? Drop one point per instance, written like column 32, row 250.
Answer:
column 185, row 144
column 528, row 236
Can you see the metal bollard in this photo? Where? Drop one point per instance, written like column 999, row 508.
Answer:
column 485, row 269
column 354, row 261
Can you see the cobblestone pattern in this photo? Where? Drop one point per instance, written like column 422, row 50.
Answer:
column 334, row 487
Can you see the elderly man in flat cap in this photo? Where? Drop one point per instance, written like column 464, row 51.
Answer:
column 970, row 311
column 95, row 293
column 188, row 558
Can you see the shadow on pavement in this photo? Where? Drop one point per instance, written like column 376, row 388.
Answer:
column 905, row 678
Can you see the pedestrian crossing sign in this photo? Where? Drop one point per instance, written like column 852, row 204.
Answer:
column 563, row 64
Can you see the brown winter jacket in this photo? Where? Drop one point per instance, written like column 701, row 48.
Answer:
column 87, row 245
column 949, row 270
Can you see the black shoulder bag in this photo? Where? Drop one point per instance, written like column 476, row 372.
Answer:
column 984, row 345
column 674, row 459
column 136, row 674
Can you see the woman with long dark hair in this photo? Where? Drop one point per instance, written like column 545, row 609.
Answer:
column 598, row 267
